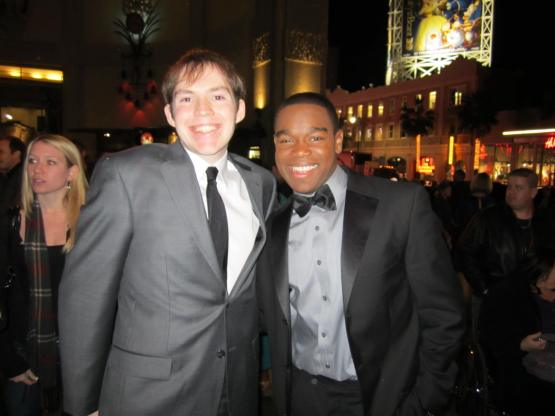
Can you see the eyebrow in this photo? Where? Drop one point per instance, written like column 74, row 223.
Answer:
column 312, row 130
column 213, row 89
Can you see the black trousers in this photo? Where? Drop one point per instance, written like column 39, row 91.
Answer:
column 322, row 396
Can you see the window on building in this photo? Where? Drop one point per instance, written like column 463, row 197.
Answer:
column 369, row 111
column 457, row 97
column 404, row 101
column 392, row 106
column 379, row 132
column 358, row 134
column 349, row 111
column 339, row 112
column 380, row 109
column 432, row 100
column 390, row 131
column 368, row 134
column 418, row 98
column 360, row 108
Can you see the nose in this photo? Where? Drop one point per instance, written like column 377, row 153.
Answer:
column 203, row 106
column 37, row 167
column 301, row 148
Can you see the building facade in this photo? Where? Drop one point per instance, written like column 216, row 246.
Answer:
column 372, row 123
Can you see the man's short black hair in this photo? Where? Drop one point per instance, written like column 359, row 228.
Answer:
column 16, row 145
column 527, row 174
column 315, row 99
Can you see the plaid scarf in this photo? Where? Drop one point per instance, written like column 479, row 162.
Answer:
column 41, row 338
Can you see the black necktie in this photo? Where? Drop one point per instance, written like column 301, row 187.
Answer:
column 217, row 219
column 322, row 198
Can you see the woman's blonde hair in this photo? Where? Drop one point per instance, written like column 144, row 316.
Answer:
column 75, row 195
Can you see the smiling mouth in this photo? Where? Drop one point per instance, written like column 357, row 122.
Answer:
column 205, row 128
column 303, row 168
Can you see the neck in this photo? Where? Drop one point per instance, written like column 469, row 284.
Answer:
column 51, row 202
column 524, row 213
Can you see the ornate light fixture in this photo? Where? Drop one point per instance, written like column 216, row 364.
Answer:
column 141, row 22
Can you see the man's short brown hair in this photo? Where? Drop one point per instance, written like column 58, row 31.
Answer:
column 528, row 174
column 191, row 66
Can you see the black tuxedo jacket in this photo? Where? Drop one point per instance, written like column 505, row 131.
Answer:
column 403, row 303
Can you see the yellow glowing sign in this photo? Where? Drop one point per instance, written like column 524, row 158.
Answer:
column 31, row 74
column 451, row 148
column 550, row 143
column 477, row 153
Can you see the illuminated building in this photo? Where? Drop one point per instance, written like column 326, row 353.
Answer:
column 426, row 36
column 85, row 80
column 379, row 133
column 441, row 75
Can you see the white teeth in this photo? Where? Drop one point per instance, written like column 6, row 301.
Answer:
column 303, row 169
column 205, row 128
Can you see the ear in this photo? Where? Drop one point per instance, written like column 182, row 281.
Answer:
column 338, row 141
column 19, row 156
column 240, row 111
column 169, row 115
column 73, row 172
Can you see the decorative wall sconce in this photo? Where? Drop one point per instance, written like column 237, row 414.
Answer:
column 141, row 22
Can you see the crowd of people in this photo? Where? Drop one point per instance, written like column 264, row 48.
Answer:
column 149, row 298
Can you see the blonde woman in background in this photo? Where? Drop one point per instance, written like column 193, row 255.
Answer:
column 40, row 234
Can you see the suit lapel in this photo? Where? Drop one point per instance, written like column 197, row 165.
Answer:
column 254, row 186
column 357, row 223
column 279, row 257
column 179, row 175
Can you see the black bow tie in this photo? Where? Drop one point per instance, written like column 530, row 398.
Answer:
column 322, row 198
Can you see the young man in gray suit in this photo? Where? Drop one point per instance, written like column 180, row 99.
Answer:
column 362, row 306
column 157, row 302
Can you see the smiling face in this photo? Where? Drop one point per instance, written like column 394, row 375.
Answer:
column 204, row 113
column 48, row 170
column 306, row 146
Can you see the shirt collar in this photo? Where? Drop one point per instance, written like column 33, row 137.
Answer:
column 337, row 183
column 201, row 165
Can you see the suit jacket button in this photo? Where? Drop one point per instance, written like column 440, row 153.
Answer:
column 221, row 353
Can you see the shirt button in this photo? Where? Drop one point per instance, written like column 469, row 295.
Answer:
column 324, row 335
column 317, row 228
column 220, row 353
column 328, row 366
column 318, row 262
column 325, row 298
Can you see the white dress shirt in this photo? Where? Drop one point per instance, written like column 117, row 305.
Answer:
column 242, row 223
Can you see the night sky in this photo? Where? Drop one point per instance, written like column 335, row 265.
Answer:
column 523, row 39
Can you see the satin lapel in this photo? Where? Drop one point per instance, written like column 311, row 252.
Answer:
column 179, row 174
column 254, row 186
column 279, row 249
column 357, row 222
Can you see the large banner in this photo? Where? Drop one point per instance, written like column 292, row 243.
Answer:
column 441, row 26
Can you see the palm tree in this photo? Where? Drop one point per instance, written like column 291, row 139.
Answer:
column 477, row 114
column 417, row 122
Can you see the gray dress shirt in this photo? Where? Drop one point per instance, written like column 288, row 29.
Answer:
column 319, row 335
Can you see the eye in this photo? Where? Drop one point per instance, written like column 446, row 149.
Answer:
column 220, row 97
column 284, row 140
column 314, row 139
column 32, row 160
column 184, row 99
column 52, row 162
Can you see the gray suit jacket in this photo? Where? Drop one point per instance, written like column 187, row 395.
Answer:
column 146, row 324
column 403, row 303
